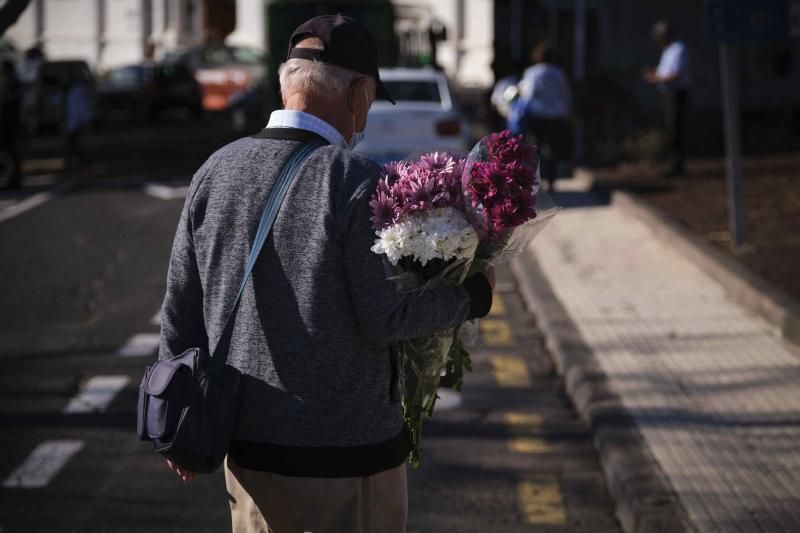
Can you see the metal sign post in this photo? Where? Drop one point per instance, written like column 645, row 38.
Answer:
column 579, row 71
column 730, row 22
column 733, row 144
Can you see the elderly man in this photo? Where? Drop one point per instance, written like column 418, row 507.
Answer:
column 319, row 444
column 672, row 79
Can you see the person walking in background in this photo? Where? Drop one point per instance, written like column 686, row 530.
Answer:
column 10, row 110
column 545, row 100
column 28, row 71
column 672, row 78
column 319, row 443
column 504, row 93
column 77, row 109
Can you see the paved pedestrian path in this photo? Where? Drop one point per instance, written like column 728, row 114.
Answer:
column 713, row 389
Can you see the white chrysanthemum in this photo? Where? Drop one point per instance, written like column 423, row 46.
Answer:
column 443, row 233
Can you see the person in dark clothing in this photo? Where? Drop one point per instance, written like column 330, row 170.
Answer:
column 546, row 99
column 672, row 78
column 77, row 107
column 10, row 108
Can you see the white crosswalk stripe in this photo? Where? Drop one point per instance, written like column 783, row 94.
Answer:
column 97, row 394
column 165, row 192
column 140, row 345
column 42, row 465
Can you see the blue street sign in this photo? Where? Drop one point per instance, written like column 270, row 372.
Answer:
column 734, row 21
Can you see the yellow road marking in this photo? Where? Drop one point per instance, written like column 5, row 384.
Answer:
column 498, row 305
column 529, row 421
column 496, row 333
column 510, row 371
column 521, row 425
column 529, row 445
column 540, row 502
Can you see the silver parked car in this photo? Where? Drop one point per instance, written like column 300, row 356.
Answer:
column 425, row 118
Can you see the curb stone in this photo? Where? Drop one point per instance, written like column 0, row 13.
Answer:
column 645, row 501
column 742, row 286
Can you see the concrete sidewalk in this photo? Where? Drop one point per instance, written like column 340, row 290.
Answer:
column 695, row 401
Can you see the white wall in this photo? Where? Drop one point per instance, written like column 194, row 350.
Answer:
column 124, row 28
column 71, row 29
column 477, row 44
column 23, row 33
column 250, row 30
column 466, row 56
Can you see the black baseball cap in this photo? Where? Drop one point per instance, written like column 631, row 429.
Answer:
column 347, row 43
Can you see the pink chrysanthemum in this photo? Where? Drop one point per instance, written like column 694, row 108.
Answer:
column 501, row 185
column 437, row 162
column 418, row 190
column 394, row 171
column 385, row 211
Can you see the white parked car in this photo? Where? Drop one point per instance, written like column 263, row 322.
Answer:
column 425, row 118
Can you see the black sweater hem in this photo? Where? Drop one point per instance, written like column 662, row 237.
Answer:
column 323, row 461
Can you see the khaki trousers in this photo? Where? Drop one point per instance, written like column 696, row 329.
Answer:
column 262, row 502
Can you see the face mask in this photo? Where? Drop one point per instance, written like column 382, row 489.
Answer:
column 358, row 136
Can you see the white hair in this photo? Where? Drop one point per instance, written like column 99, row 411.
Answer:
column 304, row 76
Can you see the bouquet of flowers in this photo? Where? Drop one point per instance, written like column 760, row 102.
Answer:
column 439, row 220
column 422, row 229
column 502, row 197
column 504, row 204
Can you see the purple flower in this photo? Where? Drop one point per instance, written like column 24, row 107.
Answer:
column 488, row 180
column 385, row 210
column 414, row 186
column 500, row 185
column 437, row 162
column 418, row 191
column 506, row 148
column 394, row 171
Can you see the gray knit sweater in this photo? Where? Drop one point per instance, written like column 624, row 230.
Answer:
column 315, row 328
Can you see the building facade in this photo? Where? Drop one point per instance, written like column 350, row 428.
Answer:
column 108, row 33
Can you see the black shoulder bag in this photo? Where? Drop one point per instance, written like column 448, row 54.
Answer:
column 188, row 405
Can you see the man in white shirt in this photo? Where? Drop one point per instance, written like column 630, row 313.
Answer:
column 672, row 79
column 546, row 96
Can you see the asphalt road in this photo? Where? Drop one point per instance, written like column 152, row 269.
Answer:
column 82, row 275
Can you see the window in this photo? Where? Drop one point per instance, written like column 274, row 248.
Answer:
column 414, row 90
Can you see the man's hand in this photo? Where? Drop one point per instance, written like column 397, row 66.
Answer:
column 185, row 474
column 650, row 76
column 490, row 276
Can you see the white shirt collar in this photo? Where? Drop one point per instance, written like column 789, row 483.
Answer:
column 286, row 118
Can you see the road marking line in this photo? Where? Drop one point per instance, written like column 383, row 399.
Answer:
column 529, row 445
column 35, row 200
column 526, row 421
column 510, row 371
column 541, row 503
column 165, row 192
column 25, row 205
column 156, row 320
column 496, row 333
column 140, row 345
column 522, row 425
column 42, row 465
column 96, row 395
column 498, row 305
